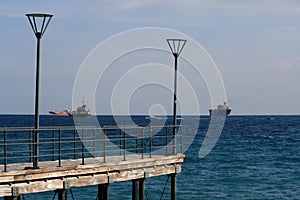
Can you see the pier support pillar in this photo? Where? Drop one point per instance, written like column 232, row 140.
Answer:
column 62, row 194
column 135, row 190
column 103, row 191
column 141, row 189
column 173, row 186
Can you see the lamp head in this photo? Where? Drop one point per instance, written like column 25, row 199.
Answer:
column 39, row 22
column 176, row 46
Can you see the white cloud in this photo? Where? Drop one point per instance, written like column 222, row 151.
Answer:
column 128, row 5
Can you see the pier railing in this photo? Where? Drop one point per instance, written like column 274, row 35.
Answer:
column 80, row 143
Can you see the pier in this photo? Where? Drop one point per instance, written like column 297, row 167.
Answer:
column 69, row 157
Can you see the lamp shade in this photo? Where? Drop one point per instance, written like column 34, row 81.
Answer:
column 39, row 22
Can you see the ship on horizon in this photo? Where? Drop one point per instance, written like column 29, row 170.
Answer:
column 221, row 110
column 59, row 112
column 81, row 111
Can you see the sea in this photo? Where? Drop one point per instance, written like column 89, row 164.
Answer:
column 256, row 157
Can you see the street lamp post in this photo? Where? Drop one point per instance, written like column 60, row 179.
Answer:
column 39, row 31
column 176, row 46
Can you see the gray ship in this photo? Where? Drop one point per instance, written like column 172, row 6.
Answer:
column 81, row 111
column 221, row 110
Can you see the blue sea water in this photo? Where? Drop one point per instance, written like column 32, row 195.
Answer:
column 256, row 157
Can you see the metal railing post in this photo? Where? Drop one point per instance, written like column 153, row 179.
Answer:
column 5, row 151
column 143, row 142
column 74, row 143
column 82, row 148
column 30, row 145
column 53, row 144
column 103, row 145
column 120, row 141
column 166, row 140
column 150, row 142
column 174, row 140
column 181, row 140
column 94, row 142
column 124, row 144
column 36, row 149
column 136, row 141
column 59, row 148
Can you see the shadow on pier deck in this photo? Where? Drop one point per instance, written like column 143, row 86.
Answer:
column 69, row 157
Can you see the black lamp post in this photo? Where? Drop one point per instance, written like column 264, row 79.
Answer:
column 39, row 31
column 176, row 46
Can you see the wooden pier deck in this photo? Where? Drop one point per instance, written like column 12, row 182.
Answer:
column 73, row 174
column 134, row 161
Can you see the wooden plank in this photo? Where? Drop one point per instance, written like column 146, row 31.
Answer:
column 90, row 162
column 43, row 173
column 5, row 190
column 39, row 186
column 82, row 181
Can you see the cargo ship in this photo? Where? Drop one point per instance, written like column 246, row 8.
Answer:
column 81, row 111
column 221, row 110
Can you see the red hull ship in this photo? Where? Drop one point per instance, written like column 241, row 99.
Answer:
column 56, row 112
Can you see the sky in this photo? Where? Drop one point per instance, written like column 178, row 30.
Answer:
column 254, row 43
